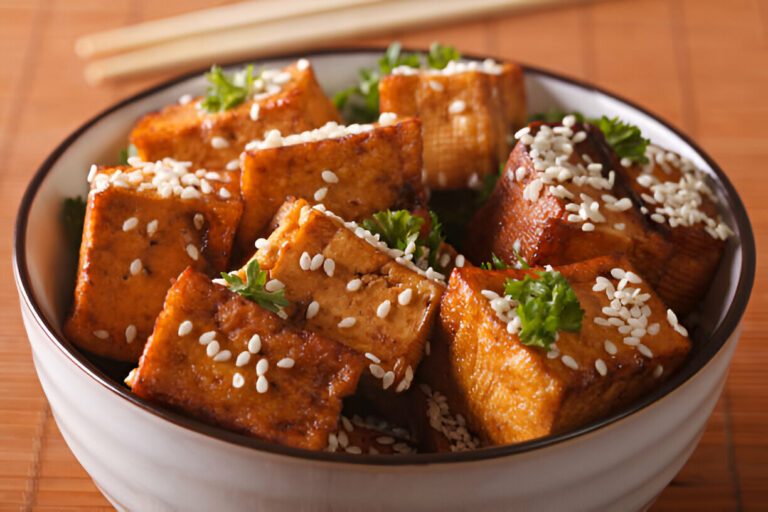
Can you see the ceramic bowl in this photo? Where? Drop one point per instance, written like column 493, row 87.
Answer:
column 144, row 457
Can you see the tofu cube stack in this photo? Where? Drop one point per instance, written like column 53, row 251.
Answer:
column 514, row 392
column 144, row 225
column 354, row 171
column 348, row 286
column 225, row 360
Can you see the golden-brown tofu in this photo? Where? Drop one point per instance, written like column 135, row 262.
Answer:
column 137, row 238
column 353, row 173
column 227, row 361
column 352, row 290
column 188, row 133
column 468, row 119
column 627, row 344
column 369, row 435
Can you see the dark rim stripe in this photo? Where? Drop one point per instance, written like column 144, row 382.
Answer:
column 718, row 338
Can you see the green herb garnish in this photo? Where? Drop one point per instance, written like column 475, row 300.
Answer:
column 253, row 288
column 73, row 218
column 494, row 264
column 545, row 305
column 554, row 115
column 400, row 228
column 439, row 56
column 127, row 153
column 224, row 93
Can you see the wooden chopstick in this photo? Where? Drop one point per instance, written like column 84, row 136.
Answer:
column 295, row 33
column 200, row 22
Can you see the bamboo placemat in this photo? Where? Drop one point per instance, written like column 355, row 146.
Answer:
column 701, row 64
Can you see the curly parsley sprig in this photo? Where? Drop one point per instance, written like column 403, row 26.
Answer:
column 253, row 288
column 400, row 228
column 546, row 304
column 224, row 92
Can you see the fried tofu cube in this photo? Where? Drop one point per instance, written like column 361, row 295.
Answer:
column 678, row 199
column 468, row 112
column 292, row 101
column 355, row 171
column 143, row 226
column 225, row 360
column 370, row 435
column 346, row 285
column 628, row 343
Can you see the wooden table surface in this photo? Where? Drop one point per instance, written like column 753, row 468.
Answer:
column 701, row 64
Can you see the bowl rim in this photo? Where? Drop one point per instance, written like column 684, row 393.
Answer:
column 717, row 340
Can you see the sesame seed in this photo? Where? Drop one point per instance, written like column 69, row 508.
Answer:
column 587, row 226
column 262, row 366
column 329, row 266
column 274, row 285
column 199, row 221
column 224, row 355
column 383, row 310
column 376, row 370
column 312, row 310
column 224, row 193
column 658, row 371
column 435, row 86
column 305, row 260
column 404, row 297
column 387, row 380
column 617, row 273
column 489, row 294
column 130, row 223
column 219, row 143
column 354, row 285
column 385, row 440
column 130, row 333
column 262, row 385
column 644, row 350
column 601, row 367
column 185, row 328
column 101, row 334
column 254, row 344
column 347, row 424
column 237, row 380
column 320, row 193
column 255, row 112
column 329, row 176
column 657, row 217
column 459, row 261
column 631, row 341
column 213, row 348
column 302, row 64
column 569, row 362
column 152, row 227
column 316, row 262
column 609, row 347
column 233, row 165
column 193, row 252
column 372, row 357
column 282, row 314
column 457, row 107
column 347, row 322
column 285, row 362
column 262, row 243
column 243, row 358
column 135, row 267
column 343, row 439
column 207, row 337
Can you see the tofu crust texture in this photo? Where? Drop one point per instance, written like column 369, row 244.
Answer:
column 628, row 343
column 229, row 362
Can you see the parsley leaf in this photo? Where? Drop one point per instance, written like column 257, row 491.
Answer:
column 73, row 218
column 224, row 93
column 399, row 228
column 253, row 288
column 554, row 115
column 127, row 153
column 625, row 139
column 439, row 56
column 494, row 264
column 545, row 305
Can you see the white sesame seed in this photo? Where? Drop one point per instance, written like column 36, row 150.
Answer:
column 347, row 322
column 631, row 341
column 653, row 329
column 152, row 227
column 435, row 86
column 354, row 285
column 383, row 310
column 320, row 193
column 274, row 285
column 282, row 314
column 219, row 143
column 224, row 355
column 372, row 357
column 387, row 380
column 136, row 266
column 262, row 243
column 569, row 362
column 254, row 344
column 213, row 348
column 312, row 310
column 237, row 380
column 233, row 165
column 224, row 193
column 343, row 439
column 385, row 440
column 658, row 371
column 617, row 273
column 302, row 64
column 207, row 337
column 285, row 362
column 262, row 366
column 609, row 347
column 262, row 385
column 459, row 261
column 193, row 252
column 316, row 262
column 130, row 223
column 457, row 107
column 255, row 112
column 587, row 226
column 329, row 176
column 329, row 266
column 644, row 350
column 404, row 297
column 305, row 260
column 601, row 367
column 199, row 221
column 347, row 424
column 569, row 120
column 672, row 318
column 243, row 358
column 130, row 333
column 185, row 328
column 681, row 330
column 376, row 370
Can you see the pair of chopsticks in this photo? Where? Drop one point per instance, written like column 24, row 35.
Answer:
column 267, row 27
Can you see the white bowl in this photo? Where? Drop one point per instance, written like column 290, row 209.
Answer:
column 144, row 457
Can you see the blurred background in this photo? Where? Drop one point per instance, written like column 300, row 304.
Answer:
column 700, row 64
